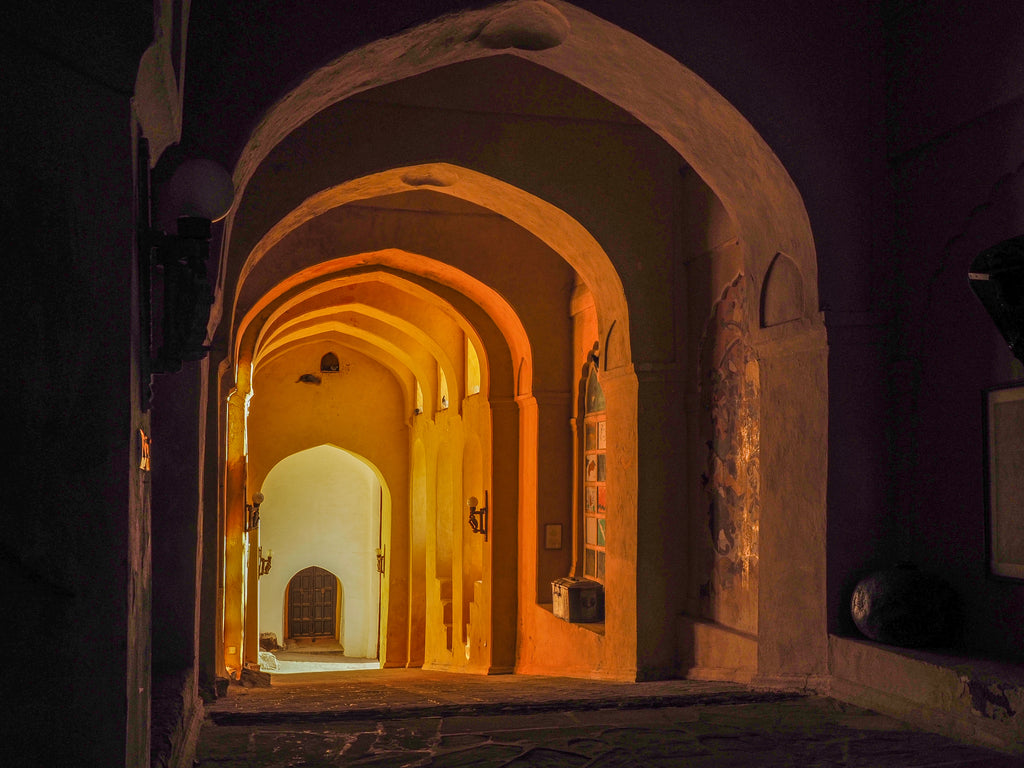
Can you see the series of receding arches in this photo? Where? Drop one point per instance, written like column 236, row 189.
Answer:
column 368, row 226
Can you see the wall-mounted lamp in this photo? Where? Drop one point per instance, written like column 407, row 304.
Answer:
column 264, row 567
column 478, row 517
column 997, row 278
column 252, row 512
column 175, row 291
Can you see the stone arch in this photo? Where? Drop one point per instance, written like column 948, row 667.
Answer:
column 321, row 509
column 713, row 138
column 402, row 270
column 726, row 152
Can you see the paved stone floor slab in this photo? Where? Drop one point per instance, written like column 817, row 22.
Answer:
column 413, row 718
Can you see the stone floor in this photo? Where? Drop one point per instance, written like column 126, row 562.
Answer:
column 417, row 718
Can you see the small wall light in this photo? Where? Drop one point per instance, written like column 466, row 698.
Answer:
column 252, row 512
column 478, row 517
column 176, row 292
column 997, row 278
column 264, row 567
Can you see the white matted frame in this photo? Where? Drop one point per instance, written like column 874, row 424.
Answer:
column 1004, row 481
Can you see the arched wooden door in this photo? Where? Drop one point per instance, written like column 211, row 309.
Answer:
column 313, row 603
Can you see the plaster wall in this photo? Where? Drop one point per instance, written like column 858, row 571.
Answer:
column 76, row 511
column 360, row 410
column 323, row 508
column 957, row 168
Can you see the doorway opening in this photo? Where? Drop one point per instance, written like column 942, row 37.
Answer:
column 325, row 519
column 314, row 606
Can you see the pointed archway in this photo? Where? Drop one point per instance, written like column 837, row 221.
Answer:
column 324, row 509
column 604, row 222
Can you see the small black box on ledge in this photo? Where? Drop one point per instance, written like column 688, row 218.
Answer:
column 580, row 601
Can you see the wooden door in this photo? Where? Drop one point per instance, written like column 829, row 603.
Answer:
column 312, row 603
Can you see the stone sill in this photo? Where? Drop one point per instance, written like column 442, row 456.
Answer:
column 597, row 627
column 979, row 700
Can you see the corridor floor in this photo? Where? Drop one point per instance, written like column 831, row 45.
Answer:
column 398, row 717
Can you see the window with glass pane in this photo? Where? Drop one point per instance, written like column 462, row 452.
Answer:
column 595, row 442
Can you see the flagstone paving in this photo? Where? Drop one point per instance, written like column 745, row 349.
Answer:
column 416, row 718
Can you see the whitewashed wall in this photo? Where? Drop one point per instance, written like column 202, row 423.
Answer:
column 322, row 508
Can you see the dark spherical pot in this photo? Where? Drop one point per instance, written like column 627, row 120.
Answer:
column 905, row 606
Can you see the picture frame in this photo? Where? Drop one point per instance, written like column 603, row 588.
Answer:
column 1004, row 481
column 553, row 536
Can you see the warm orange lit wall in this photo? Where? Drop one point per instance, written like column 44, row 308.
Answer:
column 361, row 410
column 455, row 445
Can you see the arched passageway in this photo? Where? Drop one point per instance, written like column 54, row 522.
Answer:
column 643, row 221
column 324, row 509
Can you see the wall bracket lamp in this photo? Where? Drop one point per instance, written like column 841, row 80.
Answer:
column 264, row 567
column 179, row 262
column 252, row 513
column 478, row 515
column 997, row 278
column 175, row 293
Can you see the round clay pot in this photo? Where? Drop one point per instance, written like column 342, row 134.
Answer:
column 905, row 606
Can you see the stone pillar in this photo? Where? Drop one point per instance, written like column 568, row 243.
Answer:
column 792, row 634
column 509, row 421
column 621, row 597
column 661, row 525
column 210, row 631
column 234, row 524
column 555, row 481
column 251, row 631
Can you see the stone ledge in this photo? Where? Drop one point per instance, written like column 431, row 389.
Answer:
column 978, row 700
column 566, row 703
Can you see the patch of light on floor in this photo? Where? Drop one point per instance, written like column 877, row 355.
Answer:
column 289, row 663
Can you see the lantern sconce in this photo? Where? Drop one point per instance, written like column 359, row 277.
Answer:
column 252, row 513
column 478, row 516
column 264, row 567
column 176, row 293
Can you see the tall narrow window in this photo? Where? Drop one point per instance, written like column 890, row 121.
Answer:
column 472, row 369
column 442, row 387
column 595, row 441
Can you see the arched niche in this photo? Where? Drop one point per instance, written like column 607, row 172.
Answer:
column 324, row 507
column 782, row 294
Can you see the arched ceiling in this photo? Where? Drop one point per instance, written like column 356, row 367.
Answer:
column 492, row 176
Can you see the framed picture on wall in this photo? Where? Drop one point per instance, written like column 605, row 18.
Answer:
column 1004, row 481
